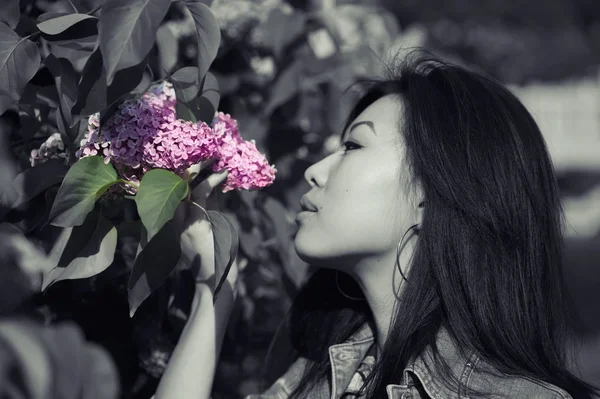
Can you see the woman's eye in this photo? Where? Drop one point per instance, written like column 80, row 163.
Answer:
column 349, row 146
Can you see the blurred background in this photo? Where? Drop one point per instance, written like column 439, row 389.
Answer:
column 283, row 68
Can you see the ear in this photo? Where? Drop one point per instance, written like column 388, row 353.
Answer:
column 419, row 203
column 420, row 211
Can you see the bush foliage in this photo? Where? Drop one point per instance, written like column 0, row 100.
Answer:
column 279, row 70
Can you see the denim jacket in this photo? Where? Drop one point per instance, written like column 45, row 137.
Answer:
column 417, row 381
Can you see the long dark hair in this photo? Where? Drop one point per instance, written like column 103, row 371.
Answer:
column 488, row 262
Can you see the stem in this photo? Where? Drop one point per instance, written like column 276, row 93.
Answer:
column 160, row 80
column 137, row 186
column 33, row 35
column 69, row 145
column 151, row 73
column 95, row 9
column 197, row 205
column 73, row 5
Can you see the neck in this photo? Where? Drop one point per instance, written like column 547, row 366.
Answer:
column 382, row 285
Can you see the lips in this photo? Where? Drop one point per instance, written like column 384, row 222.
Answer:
column 307, row 205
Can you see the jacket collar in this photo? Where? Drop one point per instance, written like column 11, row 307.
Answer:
column 346, row 357
column 461, row 366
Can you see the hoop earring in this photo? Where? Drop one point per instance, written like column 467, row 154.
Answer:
column 398, row 250
column 337, row 283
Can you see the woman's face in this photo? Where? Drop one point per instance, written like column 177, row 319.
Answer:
column 361, row 206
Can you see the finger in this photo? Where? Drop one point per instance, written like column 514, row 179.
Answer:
column 205, row 187
column 196, row 168
column 200, row 171
column 216, row 178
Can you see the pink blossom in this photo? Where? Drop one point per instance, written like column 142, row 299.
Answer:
column 145, row 134
column 248, row 168
column 52, row 148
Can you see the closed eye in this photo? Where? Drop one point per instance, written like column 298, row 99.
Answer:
column 350, row 145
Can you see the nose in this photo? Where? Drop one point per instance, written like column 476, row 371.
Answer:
column 316, row 174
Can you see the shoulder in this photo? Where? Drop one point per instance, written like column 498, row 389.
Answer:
column 476, row 374
column 485, row 377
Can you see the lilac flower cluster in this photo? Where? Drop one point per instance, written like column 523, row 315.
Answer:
column 52, row 148
column 247, row 167
column 145, row 134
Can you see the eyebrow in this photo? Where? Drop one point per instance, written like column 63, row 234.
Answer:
column 357, row 124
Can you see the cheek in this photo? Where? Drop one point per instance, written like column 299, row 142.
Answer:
column 374, row 191
column 371, row 205
column 357, row 218
column 358, row 210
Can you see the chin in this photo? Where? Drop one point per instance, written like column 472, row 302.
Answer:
column 303, row 250
column 307, row 250
column 315, row 253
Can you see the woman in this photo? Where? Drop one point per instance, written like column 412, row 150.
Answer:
column 437, row 226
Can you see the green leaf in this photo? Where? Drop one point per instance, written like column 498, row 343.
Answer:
column 202, row 107
column 84, row 183
column 153, row 264
column 33, row 181
column 65, row 79
column 6, row 101
column 22, row 262
column 283, row 29
column 19, row 62
column 87, row 250
column 10, row 13
column 281, row 229
column 29, row 122
column 167, row 46
column 145, row 83
column 10, row 230
column 226, row 241
column 34, row 94
column 8, row 193
column 29, row 217
column 208, row 34
column 80, row 369
column 185, row 111
column 54, row 362
column 127, row 32
column 24, row 354
column 71, row 240
column 157, row 198
column 75, row 48
column 93, row 95
column 69, row 27
column 109, row 111
column 208, row 102
column 186, row 83
column 293, row 274
column 285, row 87
column 51, row 15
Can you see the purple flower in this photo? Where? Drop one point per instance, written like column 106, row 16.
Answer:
column 145, row 134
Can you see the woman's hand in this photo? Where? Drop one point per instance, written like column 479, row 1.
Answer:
column 197, row 240
column 203, row 182
column 192, row 364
